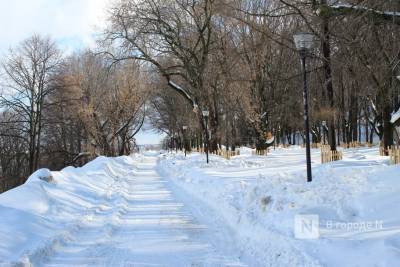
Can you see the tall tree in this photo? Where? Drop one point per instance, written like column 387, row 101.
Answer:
column 29, row 70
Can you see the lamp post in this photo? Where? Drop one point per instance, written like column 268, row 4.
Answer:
column 184, row 128
column 304, row 43
column 206, row 113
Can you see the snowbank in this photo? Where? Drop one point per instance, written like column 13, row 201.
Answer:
column 259, row 197
column 51, row 206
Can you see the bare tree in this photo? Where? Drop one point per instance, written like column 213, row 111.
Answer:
column 29, row 70
column 176, row 37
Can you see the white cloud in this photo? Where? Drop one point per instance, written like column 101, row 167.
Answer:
column 72, row 23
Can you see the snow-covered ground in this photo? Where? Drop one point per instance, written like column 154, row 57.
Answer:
column 167, row 210
column 111, row 212
column 357, row 202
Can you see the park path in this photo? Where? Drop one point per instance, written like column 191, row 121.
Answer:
column 143, row 222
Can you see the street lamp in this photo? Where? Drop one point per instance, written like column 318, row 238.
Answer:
column 184, row 137
column 206, row 113
column 304, row 42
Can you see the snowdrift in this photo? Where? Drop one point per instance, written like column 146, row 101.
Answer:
column 51, row 206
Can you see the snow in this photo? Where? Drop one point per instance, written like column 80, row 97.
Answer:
column 184, row 92
column 160, row 209
column 387, row 13
column 259, row 198
column 395, row 117
column 270, row 141
column 111, row 212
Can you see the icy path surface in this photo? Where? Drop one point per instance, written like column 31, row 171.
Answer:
column 142, row 223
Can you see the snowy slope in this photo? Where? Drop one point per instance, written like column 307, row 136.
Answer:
column 259, row 198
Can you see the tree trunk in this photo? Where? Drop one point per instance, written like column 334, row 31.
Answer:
column 353, row 114
column 387, row 128
column 327, row 66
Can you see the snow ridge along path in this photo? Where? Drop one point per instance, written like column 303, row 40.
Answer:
column 125, row 213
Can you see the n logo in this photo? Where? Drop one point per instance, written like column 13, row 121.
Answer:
column 306, row 226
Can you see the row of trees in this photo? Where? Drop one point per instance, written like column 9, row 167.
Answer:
column 58, row 111
column 171, row 59
column 236, row 58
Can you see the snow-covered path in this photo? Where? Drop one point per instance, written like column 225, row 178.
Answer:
column 140, row 223
column 157, row 209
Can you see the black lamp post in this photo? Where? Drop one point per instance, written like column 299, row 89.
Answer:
column 184, row 128
column 304, row 42
column 206, row 113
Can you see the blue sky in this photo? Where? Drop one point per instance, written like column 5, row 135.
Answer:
column 73, row 24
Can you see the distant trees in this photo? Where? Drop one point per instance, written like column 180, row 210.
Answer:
column 109, row 101
column 29, row 70
column 177, row 39
column 13, row 146
column 364, row 34
column 58, row 111
column 237, row 58
column 170, row 59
